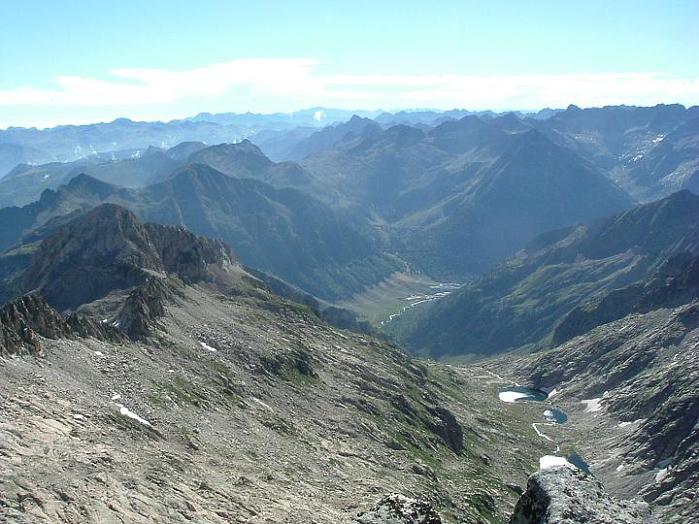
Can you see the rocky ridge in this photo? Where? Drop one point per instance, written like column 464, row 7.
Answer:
column 565, row 495
column 27, row 320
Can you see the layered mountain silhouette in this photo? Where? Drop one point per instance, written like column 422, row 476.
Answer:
column 534, row 186
column 71, row 142
column 467, row 192
column 25, row 182
column 450, row 197
column 282, row 231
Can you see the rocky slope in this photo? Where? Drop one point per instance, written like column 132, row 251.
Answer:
column 526, row 299
column 29, row 319
column 108, row 249
column 231, row 403
column 671, row 165
column 638, row 381
column 674, row 284
column 628, row 144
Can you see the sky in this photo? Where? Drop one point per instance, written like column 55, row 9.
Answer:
column 75, row 61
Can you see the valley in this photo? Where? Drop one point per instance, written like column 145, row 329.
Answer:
column 384, row 302
column 473, row 317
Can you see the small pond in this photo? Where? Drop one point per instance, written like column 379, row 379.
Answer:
column 514, row 394
column 579, row 462
column 555, row 416
column 522, row 394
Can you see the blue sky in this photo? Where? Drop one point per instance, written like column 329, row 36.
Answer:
column 78, row 61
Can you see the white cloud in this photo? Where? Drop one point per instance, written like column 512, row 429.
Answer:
column 127, row 87
column 286, row 84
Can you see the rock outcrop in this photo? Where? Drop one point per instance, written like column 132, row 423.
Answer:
column 109, row 249
column 565, row 495
column 143, row 306
column 399, row 509
column 644, row 371
column 25, row 320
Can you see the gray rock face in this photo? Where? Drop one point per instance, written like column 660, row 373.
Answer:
column 562, row 495
column 142, row 307
column 109, row 249
column 25, row 320
column 398, row 509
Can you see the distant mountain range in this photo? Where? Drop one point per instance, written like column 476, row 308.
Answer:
column 446, row 194
column 73, row 142
column 463, row 194
column 25, row 183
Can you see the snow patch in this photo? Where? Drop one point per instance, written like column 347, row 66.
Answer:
column 552, row 461
column 542, row 435
column 263, row 404
column 592, row 405
column 512, row 396
column 630, row 422
column 207, row 347
column 620, row 467
column 128, row 413
column 661, row 474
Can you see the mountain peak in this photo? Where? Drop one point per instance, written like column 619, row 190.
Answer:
column 109, row 249
column 85, row 181
column 404, row 135
column 243, row 159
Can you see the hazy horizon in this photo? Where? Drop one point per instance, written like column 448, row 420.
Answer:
column 324, row 120
column 86, row 62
